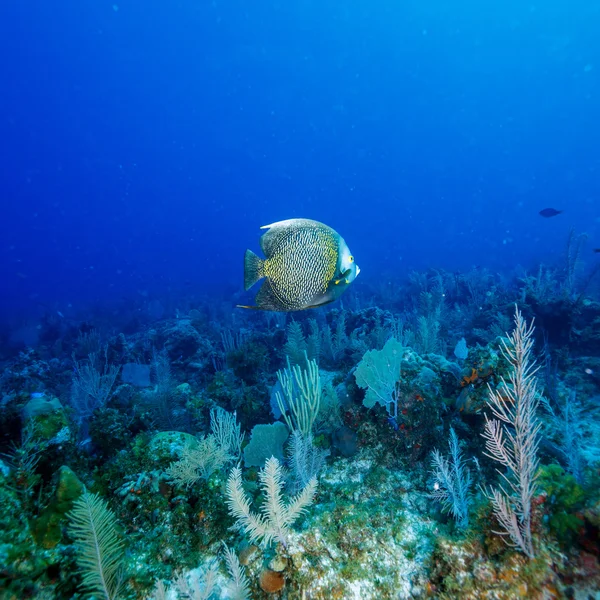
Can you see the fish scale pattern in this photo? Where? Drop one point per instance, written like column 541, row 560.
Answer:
column 302, row 266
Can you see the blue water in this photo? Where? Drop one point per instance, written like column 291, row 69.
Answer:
column 145, row 142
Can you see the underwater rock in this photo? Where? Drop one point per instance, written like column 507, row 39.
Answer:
column 21, row 566
column 249, row 362
column 40, row 405
column 47, row 416
column 587, row 369
column 47, row 528
column 425, row 379
column 167, row 445
column 345, row 441
column 182, row 341
column 462, row 569
column 278, row 563
column 184, row 390
column 196, row 315
column 592, row 515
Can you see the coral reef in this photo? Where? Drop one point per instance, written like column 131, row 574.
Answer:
column 180, row 444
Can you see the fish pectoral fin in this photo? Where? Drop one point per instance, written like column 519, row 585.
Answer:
column 341, row 277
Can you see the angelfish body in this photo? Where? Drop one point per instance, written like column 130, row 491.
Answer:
column 307, row 264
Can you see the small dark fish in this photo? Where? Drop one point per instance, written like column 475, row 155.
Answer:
column 549, row 212
column 596, row 249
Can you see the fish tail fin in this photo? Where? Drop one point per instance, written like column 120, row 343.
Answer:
column 254, row 269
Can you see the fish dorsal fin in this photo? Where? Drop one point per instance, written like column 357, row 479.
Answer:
column 279, row 230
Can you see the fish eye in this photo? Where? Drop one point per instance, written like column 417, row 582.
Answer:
column 352, row 259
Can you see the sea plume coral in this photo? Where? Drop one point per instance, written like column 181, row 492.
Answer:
column 274, row 524
column 512, row 438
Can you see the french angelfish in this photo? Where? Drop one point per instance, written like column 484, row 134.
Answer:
column 307, row 264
